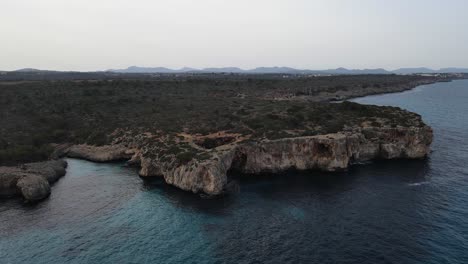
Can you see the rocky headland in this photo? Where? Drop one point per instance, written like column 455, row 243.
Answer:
column 200, row 163
column 191, row 131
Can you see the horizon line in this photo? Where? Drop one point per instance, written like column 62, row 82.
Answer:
column 190, row 69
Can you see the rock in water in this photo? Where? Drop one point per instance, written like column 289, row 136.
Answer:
column 51, row 170
column 33, row 187
column 31, row 181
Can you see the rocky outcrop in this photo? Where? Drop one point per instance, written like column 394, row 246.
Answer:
column 331, row 152
column 98, row 153
column 195, row 176
column 31, row 181
column 335, row 151
column 52, row 171
column 33, row 187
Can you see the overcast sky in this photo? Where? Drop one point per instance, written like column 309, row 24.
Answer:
column 314, row 34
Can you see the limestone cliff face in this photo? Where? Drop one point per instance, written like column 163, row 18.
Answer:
column 332, row 152
column 207, row 176
column 328, row 152
column 325, row 152
column 336, row 151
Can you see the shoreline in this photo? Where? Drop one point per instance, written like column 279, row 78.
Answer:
column 393, row 90
column 328, row 152
column 397, row 92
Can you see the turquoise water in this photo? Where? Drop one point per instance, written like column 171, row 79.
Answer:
column 385, row 212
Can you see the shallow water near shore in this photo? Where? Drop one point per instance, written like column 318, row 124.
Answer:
column 384, row 212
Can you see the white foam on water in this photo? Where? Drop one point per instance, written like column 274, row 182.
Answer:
column 418, row 183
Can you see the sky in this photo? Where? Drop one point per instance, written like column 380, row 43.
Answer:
column 88, row 35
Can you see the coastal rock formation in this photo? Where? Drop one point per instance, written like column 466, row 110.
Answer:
column 332, row 152
column 208, row 176
column 33, row 187
column 31, row 181
column 98, row 153
column 335, row 152
column 52, row 171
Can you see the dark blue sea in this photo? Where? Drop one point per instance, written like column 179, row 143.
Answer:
column 384, row 212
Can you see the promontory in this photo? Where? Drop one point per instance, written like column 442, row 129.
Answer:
column 193, row 130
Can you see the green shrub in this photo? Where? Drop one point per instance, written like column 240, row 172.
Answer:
column 21, row 153
column 185, row 157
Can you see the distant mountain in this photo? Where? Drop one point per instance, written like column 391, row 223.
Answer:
column 28, row 70
column 357, row 71
column 265, row 70
column 259, row 70
column 187, row 69
column 135, row 69
column 268, row 70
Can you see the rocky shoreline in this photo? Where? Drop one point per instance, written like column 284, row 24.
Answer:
column 331, row 152
column 369, row 91
column 209, row 175
column 31, row 180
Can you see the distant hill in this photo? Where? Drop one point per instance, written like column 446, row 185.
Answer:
column 135, row 69
column 274, row 70
column 288, row 70
column 261, row 70
column 28, row 70
column 357, row 71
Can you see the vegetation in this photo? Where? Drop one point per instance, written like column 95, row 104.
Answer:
column 34, row 114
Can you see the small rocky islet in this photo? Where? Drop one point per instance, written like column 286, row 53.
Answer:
column 193, row 138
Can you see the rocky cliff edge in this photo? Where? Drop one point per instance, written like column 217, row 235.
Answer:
column 207, row 173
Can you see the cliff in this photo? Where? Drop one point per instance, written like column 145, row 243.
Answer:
column 331, row 152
